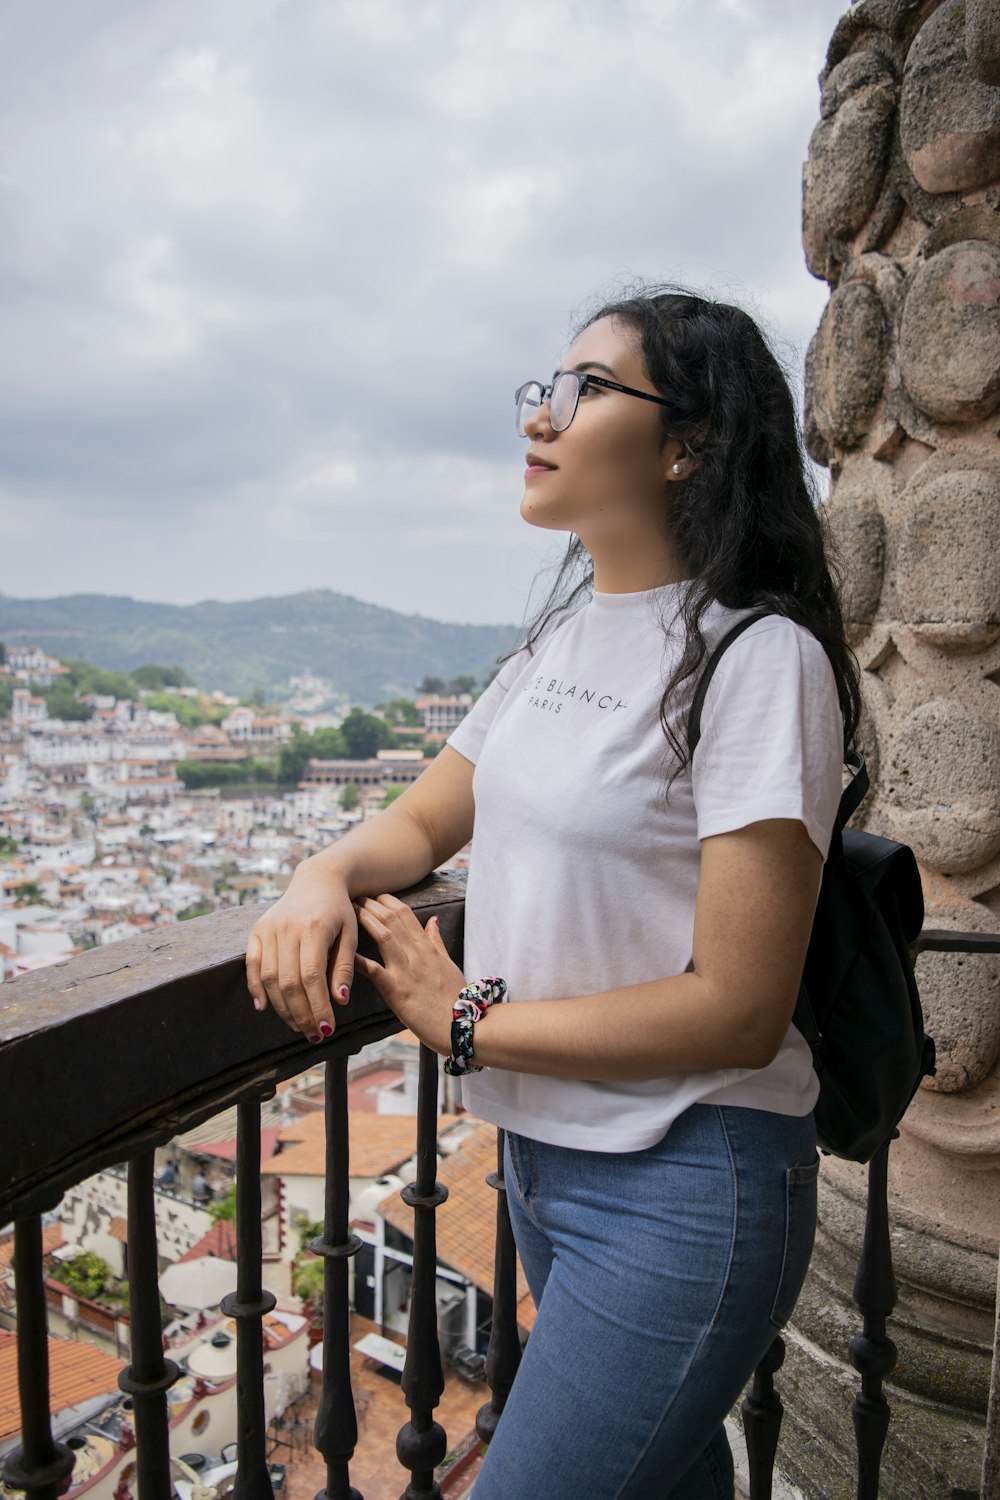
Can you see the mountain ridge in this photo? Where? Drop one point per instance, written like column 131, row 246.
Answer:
column 368, row 652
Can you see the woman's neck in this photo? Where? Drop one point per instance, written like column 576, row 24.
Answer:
column 634, row 570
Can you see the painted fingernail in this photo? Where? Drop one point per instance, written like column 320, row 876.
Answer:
column 344, row 992
column 315, row 1039
column 326, row 1028
column 258, row 1005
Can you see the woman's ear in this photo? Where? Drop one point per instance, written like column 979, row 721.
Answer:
column 681, row 462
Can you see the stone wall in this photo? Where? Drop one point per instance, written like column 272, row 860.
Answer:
column 901, row 216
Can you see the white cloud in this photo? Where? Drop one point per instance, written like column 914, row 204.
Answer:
column 272, row 271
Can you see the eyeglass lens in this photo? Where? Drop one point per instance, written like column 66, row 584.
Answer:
column 563, row 395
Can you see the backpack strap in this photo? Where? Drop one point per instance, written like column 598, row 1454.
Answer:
column 708, row 672
column 855, row 789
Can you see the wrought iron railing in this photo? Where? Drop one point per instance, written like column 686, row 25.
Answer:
column 111, row 1054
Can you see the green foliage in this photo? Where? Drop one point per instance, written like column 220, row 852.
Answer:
column 391, row 793
column 155, row 679
column 401, row 712
column 8, row 845
column 85, row 1274
column 364, row 734
column 465, row 682
column 323, row 744
column 191, row 712
column 349, row 796
column 29, row 893
column 224, row 1207
column 307, row 1283
column 62, row 702
column 236, row 646
column 190, row 912
column 309, row 1230
column 197, row 774
column 86, row 678
column 7, row 685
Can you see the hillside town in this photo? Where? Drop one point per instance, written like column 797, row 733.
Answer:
column 147, row 807
column 131, row 813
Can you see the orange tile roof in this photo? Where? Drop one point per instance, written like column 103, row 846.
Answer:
column 52, row 1238
column 118, row 1229
column 220, row 1241
column 467, row 1222
column 379, row 1143
column 77, row 1372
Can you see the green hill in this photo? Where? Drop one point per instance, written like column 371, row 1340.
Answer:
column 362, row 650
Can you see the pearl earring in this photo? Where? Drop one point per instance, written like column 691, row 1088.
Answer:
column 677, row 468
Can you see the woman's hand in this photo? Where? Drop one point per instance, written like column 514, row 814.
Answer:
column 300, row 953
column 416, row 978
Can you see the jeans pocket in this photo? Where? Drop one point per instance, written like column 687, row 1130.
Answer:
column 800, row 1231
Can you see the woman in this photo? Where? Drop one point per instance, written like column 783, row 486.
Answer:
column 648, row 909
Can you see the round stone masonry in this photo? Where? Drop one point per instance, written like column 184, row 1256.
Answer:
column 949, row 120
column 857, row 530
column 848, row 152
column 941, row 778
column 948, row 552
column 949, row 335
column 845, row 365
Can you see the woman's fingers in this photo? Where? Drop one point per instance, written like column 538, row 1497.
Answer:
column 302, row 960
column 342, row 962
column 258, row 994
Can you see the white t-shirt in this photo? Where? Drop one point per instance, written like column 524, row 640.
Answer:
column 583, row 878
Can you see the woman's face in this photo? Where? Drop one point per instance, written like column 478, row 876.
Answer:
column 605, row 477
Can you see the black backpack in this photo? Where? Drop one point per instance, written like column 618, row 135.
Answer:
column 858, row 1006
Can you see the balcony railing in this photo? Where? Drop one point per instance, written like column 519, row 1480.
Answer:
column 107, row 1056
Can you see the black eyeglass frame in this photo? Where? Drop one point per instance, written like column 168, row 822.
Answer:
column 583, row 379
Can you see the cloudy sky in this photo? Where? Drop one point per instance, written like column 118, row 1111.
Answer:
column 270, row 270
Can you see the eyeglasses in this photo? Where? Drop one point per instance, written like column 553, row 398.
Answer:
column 563, row 396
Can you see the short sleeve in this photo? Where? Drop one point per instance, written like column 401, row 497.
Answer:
column 469, row 736
column 772, row 741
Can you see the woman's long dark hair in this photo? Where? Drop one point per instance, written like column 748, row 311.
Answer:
column 745, row 521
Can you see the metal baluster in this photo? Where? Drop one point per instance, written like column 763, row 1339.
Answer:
column 148, row 1378
column 872, row 1353
column 421, row 1443
column 249, row 1306
column 503, row 1354
column 762, row 1413
column 39, row 1464
column 336, row 1433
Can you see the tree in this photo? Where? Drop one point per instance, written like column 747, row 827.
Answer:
column 391, row 793
column 431, row 685
column 191, row 712
column 30, row 893
column 349, row 796
column 62, row 702
column 85, row 1274
column 364, row 734
column 402, row 712
column 8, row 845
column 463, row 684
column 224, row 1207
column 323, row 744
column 157, row 678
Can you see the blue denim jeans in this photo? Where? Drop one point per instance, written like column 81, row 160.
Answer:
column 661, row 1278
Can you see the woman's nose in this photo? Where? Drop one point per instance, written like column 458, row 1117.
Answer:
column 539, row 423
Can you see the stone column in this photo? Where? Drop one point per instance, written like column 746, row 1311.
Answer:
column 901, row 217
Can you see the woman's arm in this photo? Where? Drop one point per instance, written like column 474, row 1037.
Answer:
column 756, row 898
column 302, row 949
